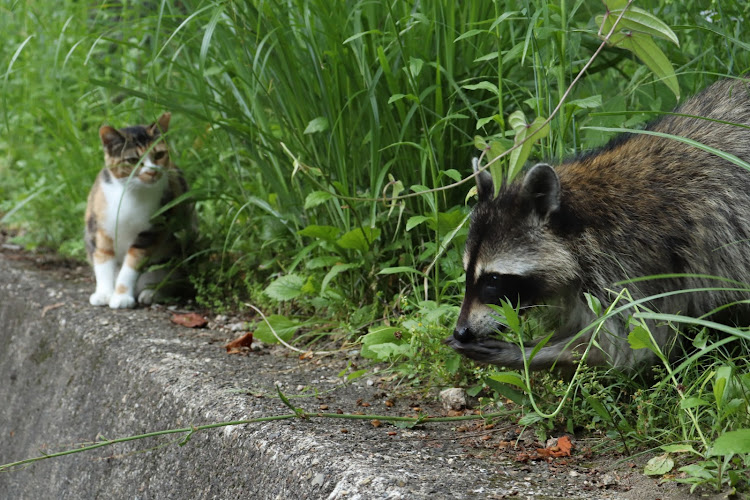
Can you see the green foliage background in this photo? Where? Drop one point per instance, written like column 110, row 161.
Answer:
column 292, row 118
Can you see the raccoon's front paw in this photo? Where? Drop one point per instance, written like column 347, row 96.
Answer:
column 122, row 301
column 99, row 298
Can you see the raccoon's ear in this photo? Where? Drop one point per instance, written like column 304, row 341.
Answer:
column 485, row 186
column 542, row 186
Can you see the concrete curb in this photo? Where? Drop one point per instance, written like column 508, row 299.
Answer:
column 72, row 374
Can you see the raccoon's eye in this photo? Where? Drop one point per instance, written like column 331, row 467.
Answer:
column 525, row 290
column 490, row 289
column 158, row 155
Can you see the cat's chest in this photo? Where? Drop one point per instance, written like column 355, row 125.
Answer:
column 129, row 209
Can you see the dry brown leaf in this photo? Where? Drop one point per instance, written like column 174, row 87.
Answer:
column 189, row 320
column 565, row 446
column 240, row 344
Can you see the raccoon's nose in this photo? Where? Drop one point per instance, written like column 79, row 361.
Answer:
column 463, row 334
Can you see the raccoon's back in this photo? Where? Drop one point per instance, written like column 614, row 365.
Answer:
column 653, row 205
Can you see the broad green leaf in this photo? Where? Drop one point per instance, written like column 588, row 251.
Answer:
column 697, row 471
column 415, row 66
column 335, row 271
column 720, row 383
column 484, row 121
column 688, row 403
column 640, row 338
column 615, row 4
column 640, row 21
column 452, row 174
column 511, row 316
column 480, row 142
column 501, row 388
column 530, row 418
column 286, row 287
column 359, row 239
column 594, row 101
column 508, row 378
column 316, row 198
column 731, row 443
column 327, row 233
column 319, row 124
column 533, row 132
column 599, row 408
column 659, row 465
column 322, row 261
column 483, row 85
column 517, row 121
column 377, row 336
column 652, row 56
column 416, row 220
column 594, row 304
column 283, row 326
column 389, row 351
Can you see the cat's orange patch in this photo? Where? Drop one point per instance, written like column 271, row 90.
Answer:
column 121, row 289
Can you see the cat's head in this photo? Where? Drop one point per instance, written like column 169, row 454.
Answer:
column 140, row 146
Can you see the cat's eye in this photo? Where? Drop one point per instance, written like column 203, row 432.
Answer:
column 158, row 155
column 131, row 159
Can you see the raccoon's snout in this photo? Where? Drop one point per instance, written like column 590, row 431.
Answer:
column 463, row 334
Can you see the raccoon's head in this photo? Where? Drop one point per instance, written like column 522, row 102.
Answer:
column 515, row 250
column 139, row 147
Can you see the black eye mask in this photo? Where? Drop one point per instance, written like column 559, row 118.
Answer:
column 524, row 290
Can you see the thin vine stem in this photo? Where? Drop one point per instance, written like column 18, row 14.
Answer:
column 297, row 413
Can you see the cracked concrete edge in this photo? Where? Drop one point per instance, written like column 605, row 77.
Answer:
column 72, row 374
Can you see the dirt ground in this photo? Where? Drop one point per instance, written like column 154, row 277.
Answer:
column 505, row 453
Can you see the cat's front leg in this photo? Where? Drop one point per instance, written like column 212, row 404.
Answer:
column 124, row 295
column 105, row 270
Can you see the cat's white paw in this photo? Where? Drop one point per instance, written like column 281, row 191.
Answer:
column 122, row 301
column 99, row 298
column 146, row 297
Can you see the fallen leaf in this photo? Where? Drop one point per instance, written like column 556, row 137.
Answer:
column 240, row 344
column 306, row 355
column 375, row 422
column 561, row 448
column 565, row 446
column 189, row 320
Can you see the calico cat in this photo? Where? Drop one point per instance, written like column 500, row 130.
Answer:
column 123, row 235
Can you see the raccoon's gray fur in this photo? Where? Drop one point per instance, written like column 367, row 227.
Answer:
column 643, row 205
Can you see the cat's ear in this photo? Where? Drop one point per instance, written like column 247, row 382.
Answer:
column 161, row 125
column 110, row 136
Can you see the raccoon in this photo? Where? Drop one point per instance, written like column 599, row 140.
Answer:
column 643, row 205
